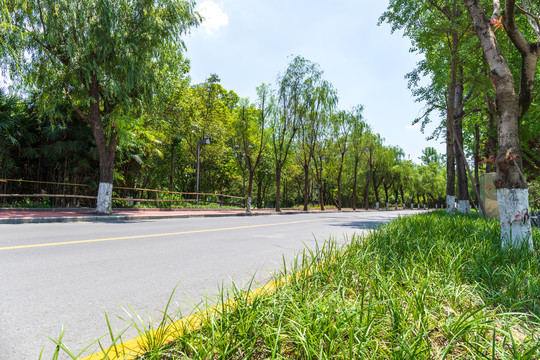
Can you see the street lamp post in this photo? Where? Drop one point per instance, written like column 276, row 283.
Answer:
column 199, row 143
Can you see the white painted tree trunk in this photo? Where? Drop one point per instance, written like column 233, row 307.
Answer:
column 104, row 198
column 515, row 220
column 377, row 205
column 464, row 206
column 450, row 203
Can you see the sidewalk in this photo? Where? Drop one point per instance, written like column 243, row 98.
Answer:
column 27, row 215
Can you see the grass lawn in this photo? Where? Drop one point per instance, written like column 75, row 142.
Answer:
column 430, row 286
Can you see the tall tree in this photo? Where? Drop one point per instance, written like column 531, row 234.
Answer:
column 358, row 146
column 249, row 128
column 512, row 188
column 440, row 30
column 344, row 124
column 210, row 114
column 320, row 98
column 100, row 55
column 287, row 116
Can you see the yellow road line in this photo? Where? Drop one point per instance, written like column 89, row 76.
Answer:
column 154, row 235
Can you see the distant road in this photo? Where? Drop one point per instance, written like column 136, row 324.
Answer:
column 68, row 275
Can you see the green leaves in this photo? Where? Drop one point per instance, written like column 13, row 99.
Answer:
column 120, row 45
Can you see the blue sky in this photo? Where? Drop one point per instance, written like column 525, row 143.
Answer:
column 249, row 42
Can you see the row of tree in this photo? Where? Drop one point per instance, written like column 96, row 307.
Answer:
column 473, row 62
column 314, row 155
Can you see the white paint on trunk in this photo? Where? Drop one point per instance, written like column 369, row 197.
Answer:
column 450, row 203
column 377, row 205
column 104, row 198
column 515, row 220
column 464, row 206
column 248, row 206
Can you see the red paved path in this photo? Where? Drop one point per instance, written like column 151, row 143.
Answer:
column 45, row 213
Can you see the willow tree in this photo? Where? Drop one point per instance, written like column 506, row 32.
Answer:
column 317, row 99
column 522, row 25
column 358, row 146
column 346, row 125
column 288, row 113
column 103, row 56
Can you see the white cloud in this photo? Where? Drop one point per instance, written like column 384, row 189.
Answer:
column 214, row 17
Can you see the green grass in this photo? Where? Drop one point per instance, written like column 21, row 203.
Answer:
column 430, row 286
column 425, row 287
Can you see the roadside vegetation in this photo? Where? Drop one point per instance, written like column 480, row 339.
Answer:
column 431, row 286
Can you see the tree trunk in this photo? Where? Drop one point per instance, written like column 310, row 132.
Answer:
column 339, row 181
column 512, row 188
column 106, row 153
column 464, row 205
column 285, row 192
column 477, row 159
column 366, row 194
column 278, row 190
column 106, row 175
column 491, row 146
column 375, row 190
column 450, row 159
column 249, row 190
column 306, row 185
column 259, row 193
column 321, row 187
column 356, row 159
column 369, row 178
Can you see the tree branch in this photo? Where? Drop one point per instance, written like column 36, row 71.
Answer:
column 72, row 102
column 515, row 35
column 496, row 9
column 533, row 20
column 443, row 11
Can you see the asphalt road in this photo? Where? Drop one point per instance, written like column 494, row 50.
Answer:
column 66, row 276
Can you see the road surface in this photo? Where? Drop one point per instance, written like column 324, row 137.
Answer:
column 66, row 276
